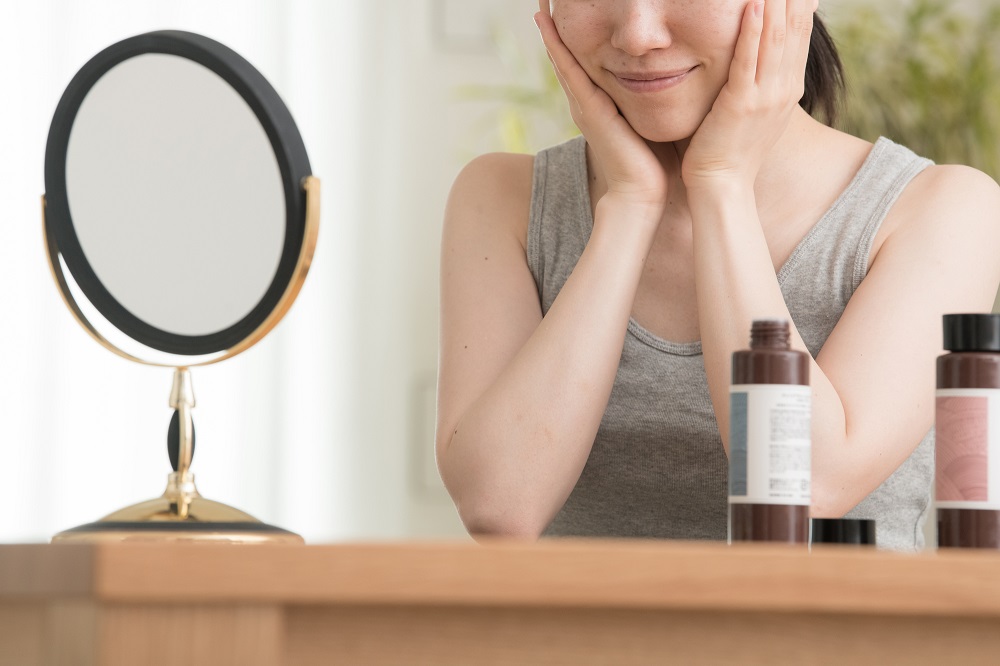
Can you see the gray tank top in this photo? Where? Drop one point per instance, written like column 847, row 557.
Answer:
column 657, row 467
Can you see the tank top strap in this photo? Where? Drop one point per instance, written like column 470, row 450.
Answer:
column 844, row 235
column 559, row 226
column 893, row 169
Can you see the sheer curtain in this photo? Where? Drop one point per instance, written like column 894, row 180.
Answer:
column 278, row 427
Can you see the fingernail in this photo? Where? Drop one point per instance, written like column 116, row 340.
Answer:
column 758, row 8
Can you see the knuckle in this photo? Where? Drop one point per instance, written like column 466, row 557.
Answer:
column 778, row 36
column 802, row 24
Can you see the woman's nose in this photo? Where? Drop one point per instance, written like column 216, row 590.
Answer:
column 640, row 26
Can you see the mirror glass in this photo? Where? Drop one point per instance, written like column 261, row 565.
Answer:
column 175, row 194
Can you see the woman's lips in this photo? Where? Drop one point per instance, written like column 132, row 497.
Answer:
column 651, row 82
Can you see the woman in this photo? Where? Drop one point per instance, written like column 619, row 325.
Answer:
column 593, row 295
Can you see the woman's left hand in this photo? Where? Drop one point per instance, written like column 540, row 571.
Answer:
column 766, row 82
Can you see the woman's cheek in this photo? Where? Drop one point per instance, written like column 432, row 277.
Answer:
column 579, row 25
column 728, row 22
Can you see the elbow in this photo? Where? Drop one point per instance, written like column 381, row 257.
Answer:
column 832, row 498
column 824, row 506
column 840, row 483
column 486, row 509
column 485, row 522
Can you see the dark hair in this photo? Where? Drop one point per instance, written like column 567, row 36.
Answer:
column 824, row 75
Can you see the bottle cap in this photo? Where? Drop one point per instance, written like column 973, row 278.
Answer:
column 852, row 531
column 972, row 332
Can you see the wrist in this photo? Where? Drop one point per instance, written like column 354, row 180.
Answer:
column 625, row 223
column 630, row 211
column 721, row 199
column 718, row 186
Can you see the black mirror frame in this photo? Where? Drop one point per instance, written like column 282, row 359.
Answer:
column 289, row 151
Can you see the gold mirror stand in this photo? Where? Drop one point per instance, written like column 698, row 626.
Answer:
column 181, row 513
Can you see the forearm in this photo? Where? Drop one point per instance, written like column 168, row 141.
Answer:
column 518, row 451
column 735, row 284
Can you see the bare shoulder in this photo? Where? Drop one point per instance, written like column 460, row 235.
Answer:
column 952, row 198
column 947, row 196
column 946, row 206
column 493, row 190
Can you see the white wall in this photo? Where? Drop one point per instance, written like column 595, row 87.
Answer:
column 423, row 135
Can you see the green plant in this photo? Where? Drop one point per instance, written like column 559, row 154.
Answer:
column 925, row 74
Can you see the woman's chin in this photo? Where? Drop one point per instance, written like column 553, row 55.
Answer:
column 660, row 131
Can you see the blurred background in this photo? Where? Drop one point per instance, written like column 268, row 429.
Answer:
column 326, row 427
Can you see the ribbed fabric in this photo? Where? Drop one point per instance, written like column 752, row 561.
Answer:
column 657, row 467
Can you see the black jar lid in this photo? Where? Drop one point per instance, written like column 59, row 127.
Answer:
column 851, row 531
column 972, row 332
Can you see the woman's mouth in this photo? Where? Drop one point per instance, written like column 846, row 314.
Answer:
column 650, row 82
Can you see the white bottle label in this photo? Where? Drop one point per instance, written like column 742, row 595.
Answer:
column 769, row 444
column 967, row 449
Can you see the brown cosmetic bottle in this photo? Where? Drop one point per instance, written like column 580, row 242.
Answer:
column 769, row 442
column 967, row 438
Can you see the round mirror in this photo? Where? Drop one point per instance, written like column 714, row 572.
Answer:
column 181, row 216
column 174, row 177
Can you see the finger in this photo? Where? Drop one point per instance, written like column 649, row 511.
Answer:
column 772, row 41
column 799, row 34
column 743, row 71
column 574, row 79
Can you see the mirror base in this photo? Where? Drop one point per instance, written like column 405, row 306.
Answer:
column 180, row 514
column 187, row 531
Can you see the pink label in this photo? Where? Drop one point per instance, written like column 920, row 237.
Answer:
column 962, row 444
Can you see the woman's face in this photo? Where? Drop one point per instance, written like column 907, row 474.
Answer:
column 663, row 62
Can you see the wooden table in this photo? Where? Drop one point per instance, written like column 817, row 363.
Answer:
column 557, row 602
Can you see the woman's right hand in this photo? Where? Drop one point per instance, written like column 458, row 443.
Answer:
column 634, row 174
